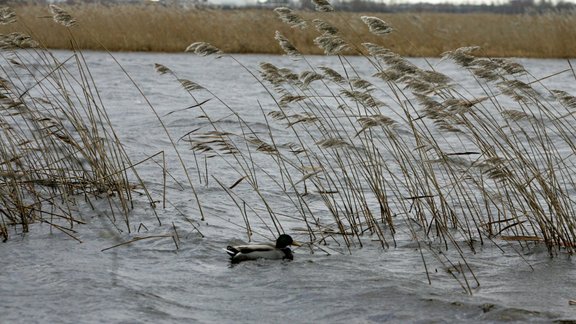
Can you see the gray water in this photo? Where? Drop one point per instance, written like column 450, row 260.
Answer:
column 46, row 277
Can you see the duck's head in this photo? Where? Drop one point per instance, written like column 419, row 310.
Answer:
column 284, row 240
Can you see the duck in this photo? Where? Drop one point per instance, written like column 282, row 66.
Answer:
column 272, row 251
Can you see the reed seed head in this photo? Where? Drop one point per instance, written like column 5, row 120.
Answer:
column 302, row 118
column 377, row 50
column 323, row 6
column 324, row 27
column 462, row 55
column 496, row 168
column 332, row 74
column 377, row 26
column 389, row 74
column 7, row 16
column 331, row 44
column 308, row 77
column 362, row 84
column 418, row 85
column 374, row 121
column 511, row 67
column 286, row 46
column 17, row 40
column 190, row 85
column 516, row 115
column 434, row 77
column 161, row 69
column 486, row 73
column 517, row 89
column 333, row 143
column 271, row 73
column 262, row 146
column 362, row 97
column 290, row 18
column 203, row 49
column 61, row 16
column 460, row 106
column 565, row 98
column 288, row 99
column 429, row 104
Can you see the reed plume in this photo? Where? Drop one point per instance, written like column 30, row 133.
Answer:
column 203, row 49
column 377, row 26
column 61, row 16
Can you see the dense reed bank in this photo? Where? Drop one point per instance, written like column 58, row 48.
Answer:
column 171, row 29
column 59, row 152
column 456, row 163
column 345, row 156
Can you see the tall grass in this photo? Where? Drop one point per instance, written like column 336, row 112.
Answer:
column 406, row 147
column 161, row 28
column 58, row 149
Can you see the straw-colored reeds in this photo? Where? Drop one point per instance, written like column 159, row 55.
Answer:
column 407, row 147
column 404, row 147
column 164, row 28
column 58, row 149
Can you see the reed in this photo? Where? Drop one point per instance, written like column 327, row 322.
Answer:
column 404, row 148
column 58, row 149
column 169, row 29
column 407, row 147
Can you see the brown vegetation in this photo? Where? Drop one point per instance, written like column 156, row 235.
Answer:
column 399, row 149
column 403, row 148
column 170, row 29
column 58, row 150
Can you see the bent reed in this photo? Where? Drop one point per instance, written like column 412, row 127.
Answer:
column 59, row 152
column 404, row 150
column 169, row 29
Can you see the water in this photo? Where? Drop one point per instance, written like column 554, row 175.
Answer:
column 47, row 277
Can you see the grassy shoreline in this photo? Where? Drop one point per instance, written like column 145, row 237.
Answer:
column 170, row 29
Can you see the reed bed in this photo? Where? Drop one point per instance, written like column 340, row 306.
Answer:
column 404, row 147
column 58, row 149
column 170, row 29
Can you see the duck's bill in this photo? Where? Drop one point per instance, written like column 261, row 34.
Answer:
column 296, row 243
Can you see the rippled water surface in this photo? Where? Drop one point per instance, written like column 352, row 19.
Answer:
column 47, row 277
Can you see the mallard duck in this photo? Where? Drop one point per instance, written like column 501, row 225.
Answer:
column 278, row 251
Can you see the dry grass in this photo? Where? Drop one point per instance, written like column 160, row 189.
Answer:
column 404, row 148
column 58, row 150
column 167, row 29
column 401, row 148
